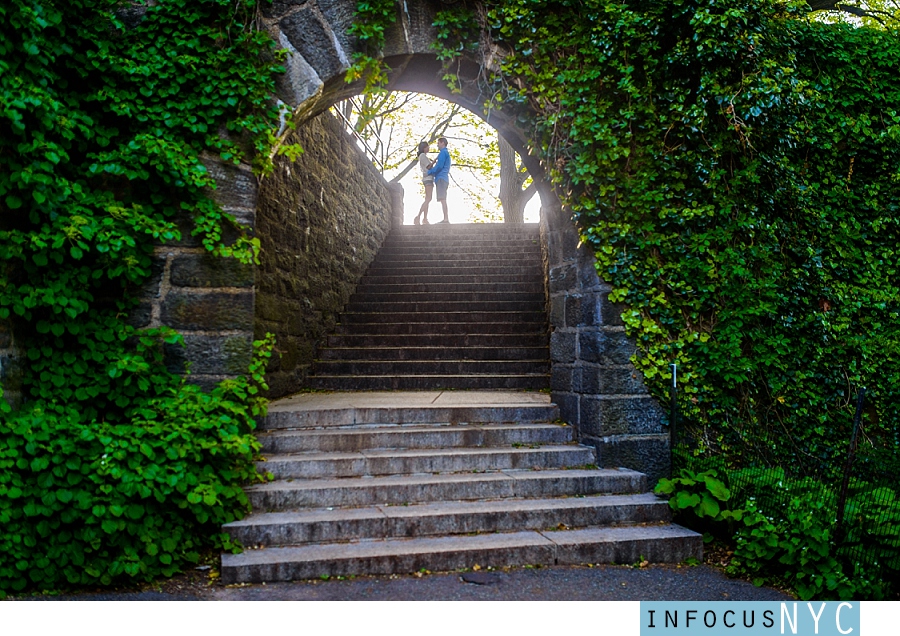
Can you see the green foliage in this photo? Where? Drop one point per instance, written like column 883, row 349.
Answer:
column 784, row 530
column 872, row 522
column 735, row 170
column 86, row 502
column 798, row 550
column 700, row 499
column 370, row 21
column 458, row 32
column 113, row 467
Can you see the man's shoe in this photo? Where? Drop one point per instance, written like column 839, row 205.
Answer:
column 444, row 221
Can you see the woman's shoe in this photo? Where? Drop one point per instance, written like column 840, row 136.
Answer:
column 416, row 221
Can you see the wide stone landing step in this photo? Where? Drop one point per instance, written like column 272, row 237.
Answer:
column 657, row 544
column 386, row 483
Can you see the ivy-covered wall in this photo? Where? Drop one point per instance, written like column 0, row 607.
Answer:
column 320, row 220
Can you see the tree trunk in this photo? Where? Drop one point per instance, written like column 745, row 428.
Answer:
column 512, row 197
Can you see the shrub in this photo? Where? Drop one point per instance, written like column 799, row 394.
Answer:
column 85, row 502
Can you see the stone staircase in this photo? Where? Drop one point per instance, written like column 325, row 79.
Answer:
column 371, row 482
column 388, row 483
column 444, row 307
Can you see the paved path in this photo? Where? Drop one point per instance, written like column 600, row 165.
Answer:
column 560, row 583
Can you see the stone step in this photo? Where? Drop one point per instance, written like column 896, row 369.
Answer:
column 625, row 544
column 370, row 463
column 408, row 238
column 459, row 270
column 418, row 408
column 432, row 328
column 519, row 298
column 451, row 517
column 504, row 229
column 537, row 339
column 426, row 304
column 510, row 280
column 434, row 353
column 432, row 367
column 536, row 287
column 347, row 439
column 447, row 317
column 532, row 382
column 522, row 238
column 389, row 254
column 402, row 489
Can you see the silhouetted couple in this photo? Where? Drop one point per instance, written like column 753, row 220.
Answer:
column 435, row 176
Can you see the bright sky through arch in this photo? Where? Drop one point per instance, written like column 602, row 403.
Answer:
column 475, row 177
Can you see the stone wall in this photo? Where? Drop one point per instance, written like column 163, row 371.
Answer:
column 209, row 300
column 597, row 388
column 320, row 221
column 10, row 379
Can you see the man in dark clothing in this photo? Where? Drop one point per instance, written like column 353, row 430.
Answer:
column 441, row 173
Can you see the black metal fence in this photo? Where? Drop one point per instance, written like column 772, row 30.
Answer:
column 856, row 479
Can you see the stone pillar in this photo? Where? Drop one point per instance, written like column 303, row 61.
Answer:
column 593, row 381
column 396, row 191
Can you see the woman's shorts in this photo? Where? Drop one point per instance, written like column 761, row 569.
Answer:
column 428, row 181
column 441, row 189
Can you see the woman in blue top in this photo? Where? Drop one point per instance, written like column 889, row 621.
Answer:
column 441, row 174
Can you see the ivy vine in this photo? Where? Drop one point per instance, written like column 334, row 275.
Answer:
column 735, row 170
column 113, row 468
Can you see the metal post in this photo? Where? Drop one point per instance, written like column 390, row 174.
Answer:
column 851, row 454
column 673, row 411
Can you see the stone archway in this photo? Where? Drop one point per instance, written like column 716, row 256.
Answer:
column 215, row 304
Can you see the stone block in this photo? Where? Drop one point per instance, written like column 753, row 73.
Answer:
column 210, row 311
column 563, row 278
column 279, row 7
column 622, row 380
column 212, row 355
column 565, row 378
column 205, row 382
column 562, row 346
column 235, row 185
column 563, row 244
column 340, row 15
column 611, row 313
column 150, row 289
column 620, row 416
column 314, row 42
column 587, row 269
column 605, row 347
column 590, row 310
column 131, row 15
column 568, row 407
column 558, row 311
column 206, row 270
column 300, row 81
column 11, row 379
column 573, row 311
column 648, row 454
column 139, row 317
